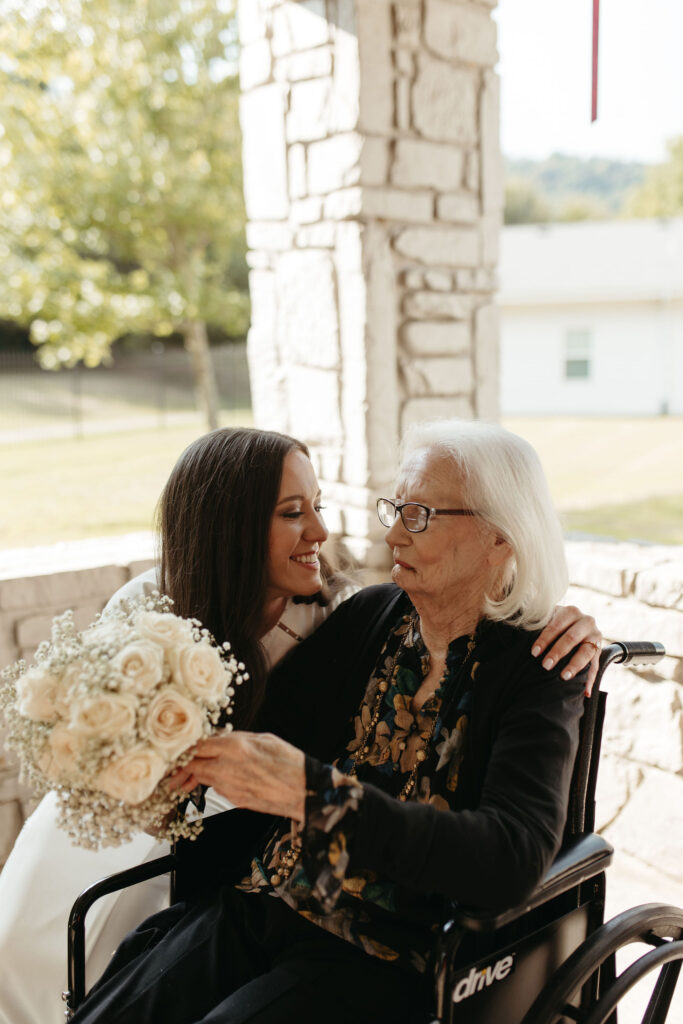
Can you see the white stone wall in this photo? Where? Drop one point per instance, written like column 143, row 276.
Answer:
column 636, row 593
column 373, row 188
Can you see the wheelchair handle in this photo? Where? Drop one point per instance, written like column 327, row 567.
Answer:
column 635, row 652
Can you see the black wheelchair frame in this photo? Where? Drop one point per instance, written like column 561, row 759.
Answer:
column 550, row 960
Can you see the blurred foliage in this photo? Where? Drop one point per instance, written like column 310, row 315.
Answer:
column 121, row 204
column 567, row 188
column 661, row 194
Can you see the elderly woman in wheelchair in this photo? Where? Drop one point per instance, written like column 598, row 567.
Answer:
column 412, row 754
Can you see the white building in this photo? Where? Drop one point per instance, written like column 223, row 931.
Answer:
column 592, row 318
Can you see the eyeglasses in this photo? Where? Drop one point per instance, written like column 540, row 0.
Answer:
column 415, row 517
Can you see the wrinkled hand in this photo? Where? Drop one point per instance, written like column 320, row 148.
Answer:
column 567, row 629
column 258, row 771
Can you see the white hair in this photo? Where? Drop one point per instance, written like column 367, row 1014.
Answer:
column 505, row 484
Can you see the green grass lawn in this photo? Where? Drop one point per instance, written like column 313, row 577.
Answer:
column 613, row 476
column 100, row 485
column 609, row 477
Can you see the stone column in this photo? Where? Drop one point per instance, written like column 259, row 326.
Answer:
column 373, row 186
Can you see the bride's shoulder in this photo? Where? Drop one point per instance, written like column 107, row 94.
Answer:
column 144, row 583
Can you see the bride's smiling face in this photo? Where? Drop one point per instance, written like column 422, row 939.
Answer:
column 296, row 532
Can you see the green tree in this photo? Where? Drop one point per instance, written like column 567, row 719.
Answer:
column 121, row 203
column 661, row 194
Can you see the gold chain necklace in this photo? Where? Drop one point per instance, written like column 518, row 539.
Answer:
column 383, row 686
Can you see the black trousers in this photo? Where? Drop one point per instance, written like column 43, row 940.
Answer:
column 235, row 958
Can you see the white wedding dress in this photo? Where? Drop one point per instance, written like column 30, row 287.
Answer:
column 45, row 873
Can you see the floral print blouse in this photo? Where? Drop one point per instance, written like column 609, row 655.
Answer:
column 308, row 866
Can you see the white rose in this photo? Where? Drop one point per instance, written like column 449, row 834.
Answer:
column 66, row 747
column 38, row 693
column 163, row 628
column 104, row 716
column 173, row 722
column 132, row 777
column 201, row 669
column 141, row 664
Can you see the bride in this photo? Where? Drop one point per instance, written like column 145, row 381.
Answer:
column 240, row 527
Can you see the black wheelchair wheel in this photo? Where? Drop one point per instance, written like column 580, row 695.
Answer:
column 590, row 971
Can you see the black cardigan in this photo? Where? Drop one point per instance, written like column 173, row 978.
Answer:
column 510, row 805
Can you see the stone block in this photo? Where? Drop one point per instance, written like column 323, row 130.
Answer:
column 438, row 280
column 306, row 211
column 661, row 586
column 617, row 781
column 435, row 306
column 418, row 163
column 252, row 20
column 60, row 590
column 344, row 204
column 296, row 166
column 415, row 410
column 492, row 171
column 11, row 820
column 443, row 246
column 414, row 279
column 460, row 33
column 269, row 235
column 437, row 375
column 317, row 236
column 402, row 94
column 258, row 260
column 256, row 64
column 382, row 404
column 334, row 163
column 299, row 66
column 393, row 204
column 307, row 324
column 436, row 113
column 32, row 630
column 407, row 23
column 437, row 339
column 313, row 404
column 266, row 374
column 374, row 161
column 140, row 565
column 458, row 207
column 472, row 167
column 299, row 25
column 614, row 568
column 307, row 117
column 404, row 62
column 486, row 341
column 490, row 227
column 649, row 827
column 644, row 720
column 479, row 279
column 264, row 155
column 345, row 99
column 628, row 619
column 376, row 106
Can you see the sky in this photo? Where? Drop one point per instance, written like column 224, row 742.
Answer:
column 545, row 69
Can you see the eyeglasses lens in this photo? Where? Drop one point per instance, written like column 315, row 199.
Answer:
column 414, row 517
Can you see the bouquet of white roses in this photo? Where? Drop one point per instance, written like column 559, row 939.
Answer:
column 105, row 714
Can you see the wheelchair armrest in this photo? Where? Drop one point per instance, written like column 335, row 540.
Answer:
column 580, row 858
column 76, row 929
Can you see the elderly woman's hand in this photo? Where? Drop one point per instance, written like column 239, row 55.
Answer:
column 258, row 771
column 570, row 628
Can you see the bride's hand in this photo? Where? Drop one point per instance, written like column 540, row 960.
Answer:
column 258, row 771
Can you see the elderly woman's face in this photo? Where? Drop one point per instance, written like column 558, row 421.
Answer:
column 457, row 558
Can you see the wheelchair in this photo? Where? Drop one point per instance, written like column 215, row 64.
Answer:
column 550, row 960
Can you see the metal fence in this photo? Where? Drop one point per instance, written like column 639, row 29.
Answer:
column 151, row 387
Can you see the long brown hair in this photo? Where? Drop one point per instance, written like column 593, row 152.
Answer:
column 214, row 518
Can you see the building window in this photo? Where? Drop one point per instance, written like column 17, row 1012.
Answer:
column 577, row 355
